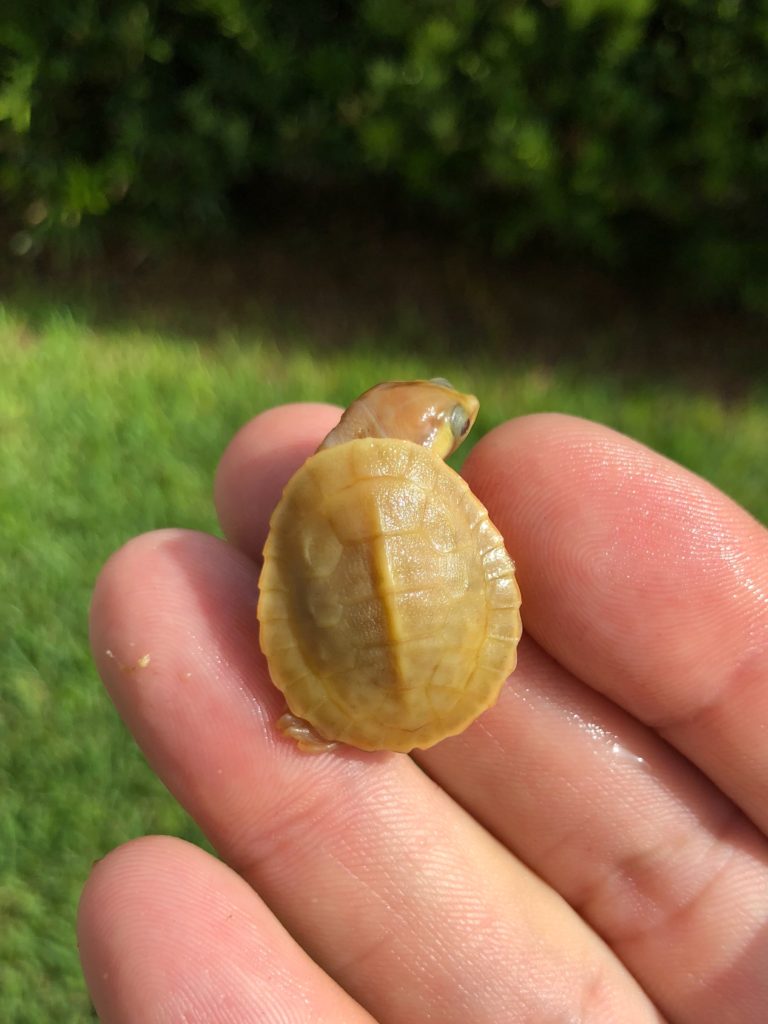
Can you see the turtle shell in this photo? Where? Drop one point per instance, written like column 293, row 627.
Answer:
column 388, row 604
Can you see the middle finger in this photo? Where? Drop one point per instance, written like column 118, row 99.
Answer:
column 405, row 900
column 652, row 854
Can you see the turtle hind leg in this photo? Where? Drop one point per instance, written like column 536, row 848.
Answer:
column 305, row 736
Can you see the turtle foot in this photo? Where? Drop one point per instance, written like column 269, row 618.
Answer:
column 305, row 736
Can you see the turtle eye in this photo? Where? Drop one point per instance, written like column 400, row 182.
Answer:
column 459, row 421
column 441, row 382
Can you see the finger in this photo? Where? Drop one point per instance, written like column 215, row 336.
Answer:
column 388, row 885
column 259, row 462
column 643, row 580
column 650, row 857
column 659, row 862
column 168, row 933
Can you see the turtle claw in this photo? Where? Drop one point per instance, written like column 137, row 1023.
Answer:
column 305, row 736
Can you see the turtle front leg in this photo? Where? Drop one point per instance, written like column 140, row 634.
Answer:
column 305, row 736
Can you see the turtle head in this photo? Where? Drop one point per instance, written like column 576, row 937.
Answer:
column 428, row 412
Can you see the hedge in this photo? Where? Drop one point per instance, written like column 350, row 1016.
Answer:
column 621, row 129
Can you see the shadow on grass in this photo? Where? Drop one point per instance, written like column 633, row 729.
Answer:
column 332, row 284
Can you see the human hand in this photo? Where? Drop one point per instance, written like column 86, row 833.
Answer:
column 592, row 849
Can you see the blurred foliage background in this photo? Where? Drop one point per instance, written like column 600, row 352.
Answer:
column 634, row 131
column 211, row 206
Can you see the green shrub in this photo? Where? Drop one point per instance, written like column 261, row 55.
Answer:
column 626, row 129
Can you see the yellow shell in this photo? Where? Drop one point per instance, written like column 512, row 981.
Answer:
column 388, row 608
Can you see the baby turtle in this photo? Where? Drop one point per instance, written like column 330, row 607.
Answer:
column 389, row 611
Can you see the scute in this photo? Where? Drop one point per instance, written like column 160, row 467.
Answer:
column 388, row 606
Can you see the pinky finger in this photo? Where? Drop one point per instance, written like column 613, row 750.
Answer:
column 168, row 933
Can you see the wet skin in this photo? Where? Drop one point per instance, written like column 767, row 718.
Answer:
column 592, row 849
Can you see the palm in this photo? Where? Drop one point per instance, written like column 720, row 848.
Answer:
column 591, row 849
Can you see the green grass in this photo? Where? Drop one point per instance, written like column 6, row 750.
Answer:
column 110, row 430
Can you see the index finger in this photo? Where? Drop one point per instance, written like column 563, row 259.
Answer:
column 645, row 581
column 258, row 463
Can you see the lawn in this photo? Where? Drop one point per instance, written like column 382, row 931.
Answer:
column 112, row 425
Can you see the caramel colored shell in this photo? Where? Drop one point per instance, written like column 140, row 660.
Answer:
column 388, row 608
